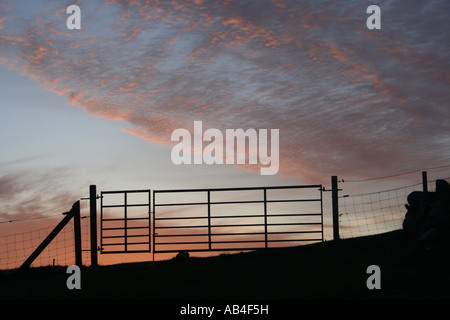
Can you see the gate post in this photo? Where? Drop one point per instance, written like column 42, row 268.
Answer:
column 93, row 223
column 334, row 198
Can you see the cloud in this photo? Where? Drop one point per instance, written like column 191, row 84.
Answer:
column 346, row 100
column 31, row 193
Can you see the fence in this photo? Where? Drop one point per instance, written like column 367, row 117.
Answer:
column 372, row 213
column 16, row 247
column 30, row 248
column 210, row 220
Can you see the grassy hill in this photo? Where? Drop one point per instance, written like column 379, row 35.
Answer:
column 328, row 270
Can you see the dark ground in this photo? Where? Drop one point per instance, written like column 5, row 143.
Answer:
column 328, row 270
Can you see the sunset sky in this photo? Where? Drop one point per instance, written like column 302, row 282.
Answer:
column 99, row 105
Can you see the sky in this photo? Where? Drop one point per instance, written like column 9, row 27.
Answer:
column 98, row 105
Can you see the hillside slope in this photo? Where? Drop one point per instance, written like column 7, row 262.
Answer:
column 328, row 270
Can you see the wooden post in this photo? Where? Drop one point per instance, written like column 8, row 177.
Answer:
column 93, row 223
column 424, row 181
column 334, row 197
column 77, row 231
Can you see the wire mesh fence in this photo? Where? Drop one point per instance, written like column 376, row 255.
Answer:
column 376, row 212
column 15, row 248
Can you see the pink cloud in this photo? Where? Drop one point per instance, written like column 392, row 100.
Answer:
column 344, row 99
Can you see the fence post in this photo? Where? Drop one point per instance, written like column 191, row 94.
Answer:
column 93, row 223
column 424, row 181
column 334, row 198
column 77, row 233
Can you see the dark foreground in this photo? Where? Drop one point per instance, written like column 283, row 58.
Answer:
column 329, row 270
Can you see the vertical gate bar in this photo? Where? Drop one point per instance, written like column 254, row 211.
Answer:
column 154, row 224
column 101, row 222
column 149, row 221
column 125, row 220
column 321, row 210
column 77, row 233
column 265, row 219
column 93, row 224
column 209, row 219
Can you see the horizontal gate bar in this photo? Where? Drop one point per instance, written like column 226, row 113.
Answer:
column 123, row 205
column 206, row 242
column 176, row 243
column 181, row 204
column 238, row 216
column 124, row 228
column 294, row 224
column 221, row 249
column 180, row 218
column 124, row 244
column 123, row 219
column 289, row 240
column 293, row 214
column 212, row 249
column 236, row 241
column 225, row 234
column 232, row 202
column 182, row 235
column 175, row 227
column 240, row 189
column 287, row 232
column 205, row 217
column 239, row 225
column 127, row 236
column 125, row 191
column 127, row 251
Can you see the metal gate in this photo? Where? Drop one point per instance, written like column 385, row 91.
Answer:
column 125, row 221
column 236, row 218
column 221, row 219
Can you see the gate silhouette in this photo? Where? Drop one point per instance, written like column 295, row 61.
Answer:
column 220, row 219
column 123, row 229
column 229, row 219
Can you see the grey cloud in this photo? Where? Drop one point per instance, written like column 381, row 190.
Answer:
column 25, row 193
